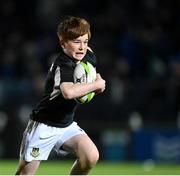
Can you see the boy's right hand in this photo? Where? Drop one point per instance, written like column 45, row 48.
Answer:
column 100, row 83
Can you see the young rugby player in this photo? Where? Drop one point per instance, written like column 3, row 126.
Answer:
column 51, row 124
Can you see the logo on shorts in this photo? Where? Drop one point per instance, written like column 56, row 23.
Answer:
column 35, row 152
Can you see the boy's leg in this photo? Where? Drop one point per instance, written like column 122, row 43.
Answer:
column 27, row 168
column 85, row 151
column 37, row 143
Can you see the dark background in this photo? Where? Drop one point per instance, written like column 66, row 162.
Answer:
column 137, row 44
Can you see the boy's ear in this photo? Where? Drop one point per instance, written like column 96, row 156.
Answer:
column 61, row 42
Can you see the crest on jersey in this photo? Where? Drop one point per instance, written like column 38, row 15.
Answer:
column 35, row 152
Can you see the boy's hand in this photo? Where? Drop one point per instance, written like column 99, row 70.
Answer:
column 101, row 84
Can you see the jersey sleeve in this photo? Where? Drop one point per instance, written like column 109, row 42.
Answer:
column 63, row 73
column 66, row 73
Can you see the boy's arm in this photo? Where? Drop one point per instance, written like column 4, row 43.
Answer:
column 70, row 90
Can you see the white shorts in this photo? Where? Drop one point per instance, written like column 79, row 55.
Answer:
column 39, row 139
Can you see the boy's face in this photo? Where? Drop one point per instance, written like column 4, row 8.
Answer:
column 76, row 48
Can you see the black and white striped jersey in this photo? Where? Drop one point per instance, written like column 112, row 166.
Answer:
column 53, row 109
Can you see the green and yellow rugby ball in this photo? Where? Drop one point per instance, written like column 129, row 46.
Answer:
column 84, row 73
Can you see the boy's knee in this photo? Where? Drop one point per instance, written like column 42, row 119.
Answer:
column 90, row 160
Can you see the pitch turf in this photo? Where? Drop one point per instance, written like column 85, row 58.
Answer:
column 102, row 168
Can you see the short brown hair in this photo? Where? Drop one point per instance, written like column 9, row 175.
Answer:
column 73, row 27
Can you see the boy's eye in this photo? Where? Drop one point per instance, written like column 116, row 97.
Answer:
column 75, row 41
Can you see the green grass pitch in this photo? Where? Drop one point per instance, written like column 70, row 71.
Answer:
column 60, row 167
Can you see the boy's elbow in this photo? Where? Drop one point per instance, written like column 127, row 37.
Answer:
column 67, row 92
column 68, row 95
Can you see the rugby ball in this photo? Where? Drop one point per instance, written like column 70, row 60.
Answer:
column 84, row 73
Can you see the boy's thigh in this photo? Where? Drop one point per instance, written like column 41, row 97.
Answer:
column 80, row 145
column 71, row 133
